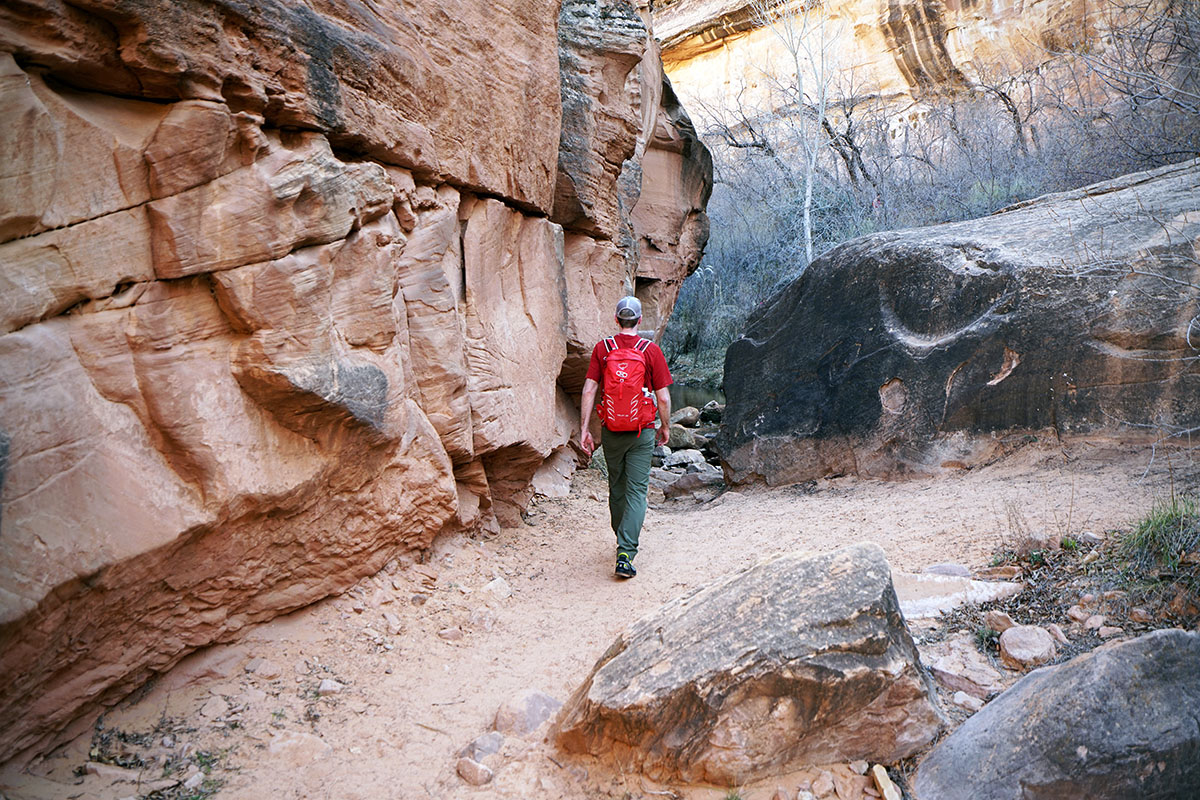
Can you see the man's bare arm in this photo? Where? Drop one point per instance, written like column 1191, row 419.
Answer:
column 664, row 413
column 587, row 402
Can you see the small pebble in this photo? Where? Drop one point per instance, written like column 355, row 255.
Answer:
column 473, row 772
column 998, row 621
column 1057, row 632
column 967, row 701
column 267, row 669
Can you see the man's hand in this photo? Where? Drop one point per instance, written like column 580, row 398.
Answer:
column 662, row 435
column 586, row 403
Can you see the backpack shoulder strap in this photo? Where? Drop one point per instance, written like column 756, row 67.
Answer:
column 610, row 344
column 642, row 345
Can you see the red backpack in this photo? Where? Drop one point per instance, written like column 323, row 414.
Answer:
column 627, row 404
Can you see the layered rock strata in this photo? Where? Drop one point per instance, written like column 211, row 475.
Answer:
column 798, row 660
column 915, row 352
column 719, row 50
column 285, row 293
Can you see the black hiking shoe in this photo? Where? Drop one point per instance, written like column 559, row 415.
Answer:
column 624, row 566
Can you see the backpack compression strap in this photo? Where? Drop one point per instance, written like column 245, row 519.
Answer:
column 610, row 344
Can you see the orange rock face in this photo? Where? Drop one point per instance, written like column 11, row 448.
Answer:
column 285, row 294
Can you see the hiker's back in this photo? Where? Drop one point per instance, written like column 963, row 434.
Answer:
column 627, row 404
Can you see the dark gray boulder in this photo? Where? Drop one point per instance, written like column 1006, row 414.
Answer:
column 1120, row 722
column 921, row 350
column 798, row 660
column 712, row 412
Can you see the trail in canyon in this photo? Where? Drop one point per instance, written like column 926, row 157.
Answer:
column 404, row 714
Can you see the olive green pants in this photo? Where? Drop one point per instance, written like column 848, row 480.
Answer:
column 627, row 456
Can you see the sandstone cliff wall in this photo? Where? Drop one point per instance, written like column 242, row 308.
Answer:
column 288, row 289
column 717, row 51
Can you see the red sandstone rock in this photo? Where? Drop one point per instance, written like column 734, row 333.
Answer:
column 372, row 82
column 318, row 310
column 723, row 686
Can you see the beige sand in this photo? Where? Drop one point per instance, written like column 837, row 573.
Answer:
column 395, row 730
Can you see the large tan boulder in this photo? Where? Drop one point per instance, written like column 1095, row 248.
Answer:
column 797, row 660
column 282, row 299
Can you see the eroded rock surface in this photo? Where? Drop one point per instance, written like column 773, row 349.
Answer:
column 1121, row 721
column 797, row 660
column 286, row 293
column 918, row 351
column 717, row 49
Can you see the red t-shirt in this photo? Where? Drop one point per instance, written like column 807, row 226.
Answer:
column 657, row 374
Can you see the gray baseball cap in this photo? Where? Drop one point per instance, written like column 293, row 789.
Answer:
column 629, row 308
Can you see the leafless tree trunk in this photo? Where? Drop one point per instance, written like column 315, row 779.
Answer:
column 808, row 36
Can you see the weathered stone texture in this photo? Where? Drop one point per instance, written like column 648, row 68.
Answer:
column 798, row 660
column 282, row 298
column 916, row 351
column 377, row 82
column 600, row 45
column 717, row 49
column 648, row 191
column 1122, row 721
column 669, row 218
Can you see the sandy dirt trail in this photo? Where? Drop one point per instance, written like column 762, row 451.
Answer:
column 396, row 728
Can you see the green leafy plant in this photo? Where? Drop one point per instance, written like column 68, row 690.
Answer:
column 986, row 638
column 1002, row 558
column 1069, row 545
column 206, row 760
column 1169, row 532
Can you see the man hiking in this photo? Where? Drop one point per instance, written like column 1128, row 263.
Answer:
column 631, row 373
